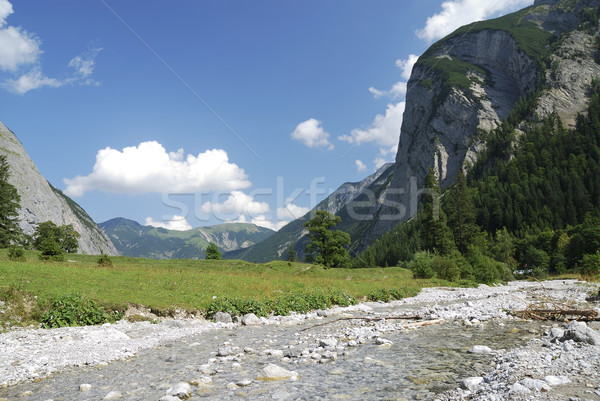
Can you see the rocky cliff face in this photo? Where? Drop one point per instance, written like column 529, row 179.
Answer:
column 465, row 85
column 41, row 202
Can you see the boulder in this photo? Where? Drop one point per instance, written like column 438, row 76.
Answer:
column 472, row 383
column 251, row 320
column 274, row 372
column 581, row 333
column 222, row 317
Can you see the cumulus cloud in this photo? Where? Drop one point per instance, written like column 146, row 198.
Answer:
column 312, row 134
column 20, row 53
column 177, row 223
column 360, row 166
column 407, row 65
column 148, row 168
column 457, row 13
column 291, row 212
column 384, row 130
column 235, row 205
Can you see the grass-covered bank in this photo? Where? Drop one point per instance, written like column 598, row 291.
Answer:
column 32, row 284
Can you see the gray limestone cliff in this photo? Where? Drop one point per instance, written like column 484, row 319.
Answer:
column 465, row 85
column 41, row 202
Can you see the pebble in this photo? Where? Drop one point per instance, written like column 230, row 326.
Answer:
column 85, row 387
column 251, row 320
column 181, row 390
column 274, row 372
column 480, row 349
column 472, row 383
column 113, row 395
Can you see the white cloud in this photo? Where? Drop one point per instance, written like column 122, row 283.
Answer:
column 177, row 223
column 457, row 13
column 312, row 134
column 236, row 205
column 384, row 130
column 360, row 166
column 407, row 65
column 31, row 80
column 20, row 54
column 291, row 212
column 379, row 161
column 397, row 91
column 149, row 168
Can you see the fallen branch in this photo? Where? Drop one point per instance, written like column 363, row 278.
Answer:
column 367, row 319
column 557, row 312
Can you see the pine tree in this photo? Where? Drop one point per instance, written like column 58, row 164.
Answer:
column 212, row 252
column 436, row 235
column 461, row 215
column 9, row 206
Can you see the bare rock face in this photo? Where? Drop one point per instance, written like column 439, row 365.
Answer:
column 41, row 202
column 445, row 123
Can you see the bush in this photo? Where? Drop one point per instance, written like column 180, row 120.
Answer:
column 51, row 250
column 105, row 261
column 16, row 254
column 421, row 265
column 75, row 310
column 445, row 268
column 590, row 265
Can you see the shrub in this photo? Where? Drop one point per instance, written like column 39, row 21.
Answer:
column 75, row 310
column 445, row 268
column 51, row 250
column 105, row 261
column 590, row 265
column 421, row 265
column 16, row 254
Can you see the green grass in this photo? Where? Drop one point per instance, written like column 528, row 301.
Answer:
column 453, row 72
column 188, row 284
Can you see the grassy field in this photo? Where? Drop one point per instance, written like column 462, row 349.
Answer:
column 187, row 284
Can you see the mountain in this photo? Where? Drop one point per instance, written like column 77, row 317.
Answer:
column 135, row 240
column 462, row 88
column 517, row 68
column 40, row 201
column 353, row 201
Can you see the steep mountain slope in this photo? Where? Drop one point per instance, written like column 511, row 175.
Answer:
column 41, row 202
column 355, row 202
column 465, row 85
column 132, row 239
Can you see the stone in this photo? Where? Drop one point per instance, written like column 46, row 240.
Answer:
column 480, row 349
column 518, row 388
column 328, row 343
column 383, row 341
column 251, row 320
column 274, row 372
column 236, row 365
column 324, row 313
column 556, row 333
column 169, row 398
column 113, row 395
column 472, row 383
column 201, row 381
column 581, row 333
column 85, row 387
column 244, row 383
column 181, row 390
column 222, row 317
column 224, row 351
column 536, row 385
column 557, row 380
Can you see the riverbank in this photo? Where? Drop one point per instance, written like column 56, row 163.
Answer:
column 228, row 359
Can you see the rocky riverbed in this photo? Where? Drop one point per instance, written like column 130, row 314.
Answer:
column 466, row 347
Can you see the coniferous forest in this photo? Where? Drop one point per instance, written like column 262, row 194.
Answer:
column 530, row 205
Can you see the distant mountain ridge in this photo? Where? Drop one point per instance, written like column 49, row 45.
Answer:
column 135, row 240
column 354, row 202
column 40, row 201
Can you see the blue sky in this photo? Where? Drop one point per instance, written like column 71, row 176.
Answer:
column 190, row 113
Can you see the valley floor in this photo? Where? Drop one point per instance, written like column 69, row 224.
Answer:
column 358, row 352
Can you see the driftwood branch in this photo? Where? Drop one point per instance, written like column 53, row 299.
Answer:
column 557, row 312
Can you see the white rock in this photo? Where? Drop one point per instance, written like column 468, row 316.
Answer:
column 202, row 381
column 472, row 383
column 518, row 388
column 383, row 341
column 534, row 384
column 169, row 398
column 244, row 383
column 85, row 387
column 181, row 390
column 113, row 395
column 328, row 343
column 557, row 380
column 222, row 317
column 480, row 349
column 352, row 343
column 251, row 320
column 236, row 365
column 274, row 372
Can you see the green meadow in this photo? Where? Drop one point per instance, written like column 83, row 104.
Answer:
column 188, row 284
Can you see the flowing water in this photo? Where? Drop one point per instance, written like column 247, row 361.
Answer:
column 419, row 364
